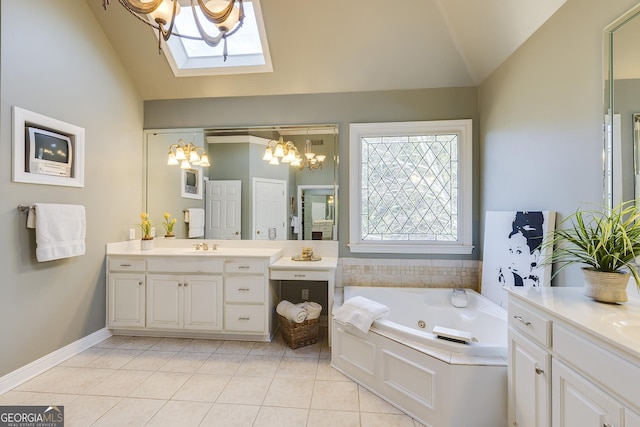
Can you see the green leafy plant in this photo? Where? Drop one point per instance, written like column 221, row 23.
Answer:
column 168, row 223
column 145, row 226
column 605, row 239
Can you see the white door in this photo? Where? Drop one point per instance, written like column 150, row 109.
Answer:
column 269, row 209
column 223, row 204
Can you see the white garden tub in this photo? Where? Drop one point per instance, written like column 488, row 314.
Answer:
column 439, row 382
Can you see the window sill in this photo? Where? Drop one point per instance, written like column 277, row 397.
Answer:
column 446, row 249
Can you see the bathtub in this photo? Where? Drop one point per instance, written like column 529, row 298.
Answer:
column 436, row 381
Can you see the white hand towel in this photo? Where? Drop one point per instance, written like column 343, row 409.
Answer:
column 360, row 312
column 291, row 311
column 196, row 222
column 313, row 309
column 60, row 230
column 295, row 223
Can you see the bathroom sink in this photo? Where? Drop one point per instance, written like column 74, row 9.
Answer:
column 626, row 325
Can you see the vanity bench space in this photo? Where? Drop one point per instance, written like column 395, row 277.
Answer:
column 573, row 361
column 177, row 291
column 324, row 270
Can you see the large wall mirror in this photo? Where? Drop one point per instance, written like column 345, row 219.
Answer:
column 622, row 102
column 244, row 194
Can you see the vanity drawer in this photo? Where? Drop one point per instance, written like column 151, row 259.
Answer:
column 185, row 265
column 300, row 275
column 245, row 266
column 593, row 361
column 249, row 288
column 244, row 318
column 126, row 264
column 530, row 322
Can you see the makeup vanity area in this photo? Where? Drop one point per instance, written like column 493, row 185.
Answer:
column 178, row 290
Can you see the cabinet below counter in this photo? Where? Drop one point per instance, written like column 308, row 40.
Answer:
column 201, row 295
column 573, row 361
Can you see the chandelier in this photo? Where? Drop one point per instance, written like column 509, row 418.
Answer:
column 160, row 15
column 187, row 154
column 286, row 152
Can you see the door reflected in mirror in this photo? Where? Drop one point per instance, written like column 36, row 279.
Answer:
column 237, row 162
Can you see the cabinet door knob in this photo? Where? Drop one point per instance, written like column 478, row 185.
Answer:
column 539, row 371
column 607, row 425
column 520, row 319
column 179, row 284
column 186, row 284
column 140, row 283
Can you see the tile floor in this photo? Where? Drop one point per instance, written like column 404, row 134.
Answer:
column 143, row 381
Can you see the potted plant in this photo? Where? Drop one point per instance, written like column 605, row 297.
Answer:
column 168, row 224
column 145, row 226
column 607, row 240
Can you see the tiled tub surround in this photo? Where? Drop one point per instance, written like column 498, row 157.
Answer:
column 414, row 273
column 148, row 381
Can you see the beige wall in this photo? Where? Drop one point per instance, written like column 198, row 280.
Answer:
column 541, row 117
column 56, row 61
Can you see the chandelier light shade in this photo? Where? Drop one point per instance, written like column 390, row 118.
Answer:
column 280, row 151
column 226, row 15
column 187, row 154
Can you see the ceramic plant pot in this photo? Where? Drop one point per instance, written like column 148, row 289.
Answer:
column 604, row 286
column 146, row 244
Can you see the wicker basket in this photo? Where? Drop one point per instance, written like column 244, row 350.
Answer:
column 298, row 335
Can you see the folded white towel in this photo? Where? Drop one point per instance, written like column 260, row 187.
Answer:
column 60, row 230
column 313, row 309
column 291, row 311
column 360, row 312
column 195, row 218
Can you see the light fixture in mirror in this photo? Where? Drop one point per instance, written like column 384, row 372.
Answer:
column 621, row 101
column 236, row 157
column 186, row 155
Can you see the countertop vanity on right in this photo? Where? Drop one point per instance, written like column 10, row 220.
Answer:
column 573, row 362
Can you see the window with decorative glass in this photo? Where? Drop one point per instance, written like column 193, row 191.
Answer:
column 411, row 188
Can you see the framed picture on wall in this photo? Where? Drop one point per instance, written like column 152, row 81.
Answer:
column 191, row 185
column 514, row 250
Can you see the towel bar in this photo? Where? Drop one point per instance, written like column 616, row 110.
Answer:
column 24, row 208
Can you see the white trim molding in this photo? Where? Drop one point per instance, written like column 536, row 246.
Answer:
column 25, row 373
column 464, row 243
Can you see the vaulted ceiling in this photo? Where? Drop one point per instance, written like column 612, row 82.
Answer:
column 344, row 46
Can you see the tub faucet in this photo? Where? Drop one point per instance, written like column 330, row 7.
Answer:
column 459, row 298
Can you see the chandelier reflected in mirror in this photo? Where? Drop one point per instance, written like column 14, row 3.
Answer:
column 187, row 154
column 280, row 151
column 161, row 14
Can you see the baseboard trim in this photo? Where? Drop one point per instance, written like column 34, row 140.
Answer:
column 25, row 373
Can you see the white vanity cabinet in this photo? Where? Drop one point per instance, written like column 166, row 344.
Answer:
column 126, row 292
column 200, row 295
column 566, row 366
column 184, row 302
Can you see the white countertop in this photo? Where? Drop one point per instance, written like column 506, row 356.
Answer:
column 616, row 324
column 286, row 263
column 183, row 252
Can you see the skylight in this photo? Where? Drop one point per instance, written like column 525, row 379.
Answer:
column 247, row 48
